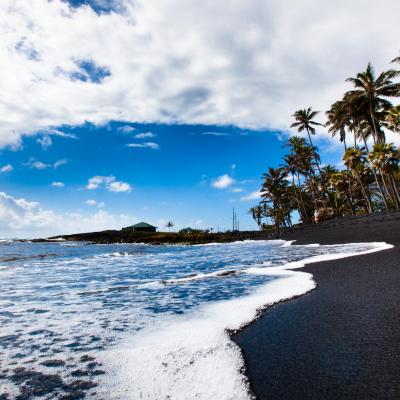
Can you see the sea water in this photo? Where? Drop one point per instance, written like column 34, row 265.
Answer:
column 133, row 321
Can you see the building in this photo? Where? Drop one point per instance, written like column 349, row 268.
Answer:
column 141, row 227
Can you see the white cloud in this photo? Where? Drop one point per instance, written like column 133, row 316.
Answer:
column 57, row 132
column 237, row 190
column 119, row 187
column 148, row 145
column 45, row 141
column 108, row 182
column 126, row 129
column 211, row 133
column 59, row 163
column 223, row 182
column 249, row 66
column 24, row 218
column 6, row 168
column 145, row 135
column 58, row 184
column 96, row 181
column 91, row 202
column 37, row 164
column 251, row 196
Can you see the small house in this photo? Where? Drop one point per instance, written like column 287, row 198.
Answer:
column 141, row 227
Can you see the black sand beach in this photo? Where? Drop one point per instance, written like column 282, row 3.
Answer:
column 342, row 340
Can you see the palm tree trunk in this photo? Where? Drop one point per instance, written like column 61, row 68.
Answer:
column 396, row 191
column 393, row 200
column 378, row 137
column 302, row 200
column 366, row 197
column 315, row 156
column 376, row 179
column 301, row 211
column 319, row 169
column 350, row 197
column 310, row 176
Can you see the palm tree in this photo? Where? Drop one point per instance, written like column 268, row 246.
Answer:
column 274, row 192
column 305, row 156
column 357, row 121
column 339, row 181
column 370, row 96
column 338, row 119
column 169, row 225
column 304, row 121
column 257, row 213
column 355, row 158
column 385, row 157
column 292, row 166
column 396, row 60
column 392, row 120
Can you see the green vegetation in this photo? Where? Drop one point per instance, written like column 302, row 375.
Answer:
column 370, row 181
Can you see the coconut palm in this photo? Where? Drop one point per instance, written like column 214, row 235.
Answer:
column 257, row 213
column 303, row 156
column 349, row 111
column 339, row 182
column 274, row 193
column 392, row 119
column 355, row 159
column 369, row 96
column 338, row 120
column 292, row 166
column 304, row 121
column 396, row 60
column 169, row 225
column 385, row 157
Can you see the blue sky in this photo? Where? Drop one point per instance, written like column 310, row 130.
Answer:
column 173, row 179
column 116, row 111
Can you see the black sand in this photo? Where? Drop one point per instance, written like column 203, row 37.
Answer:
column 342, row 340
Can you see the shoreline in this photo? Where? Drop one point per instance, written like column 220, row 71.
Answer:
column 159, row 238
column 340, row 340
column 199, row 344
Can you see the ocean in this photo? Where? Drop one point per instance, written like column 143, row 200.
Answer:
column 134, row 321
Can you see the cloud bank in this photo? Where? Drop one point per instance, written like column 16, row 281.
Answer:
column 250, row 64
column 24, row 218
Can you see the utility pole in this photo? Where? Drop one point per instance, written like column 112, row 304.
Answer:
column 235, row 221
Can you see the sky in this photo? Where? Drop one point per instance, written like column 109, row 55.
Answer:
column 114, row 112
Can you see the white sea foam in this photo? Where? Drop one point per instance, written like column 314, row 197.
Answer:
column 191, row 356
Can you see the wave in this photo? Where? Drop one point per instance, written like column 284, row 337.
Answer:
column 192, row 356
column 223, row 273
column 16, row 257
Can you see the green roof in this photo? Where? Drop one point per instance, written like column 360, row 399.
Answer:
column 143, row 225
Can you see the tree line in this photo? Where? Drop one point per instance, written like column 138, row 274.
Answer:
column 369, row 181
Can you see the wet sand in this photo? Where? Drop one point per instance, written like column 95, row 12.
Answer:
column 342, row 340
